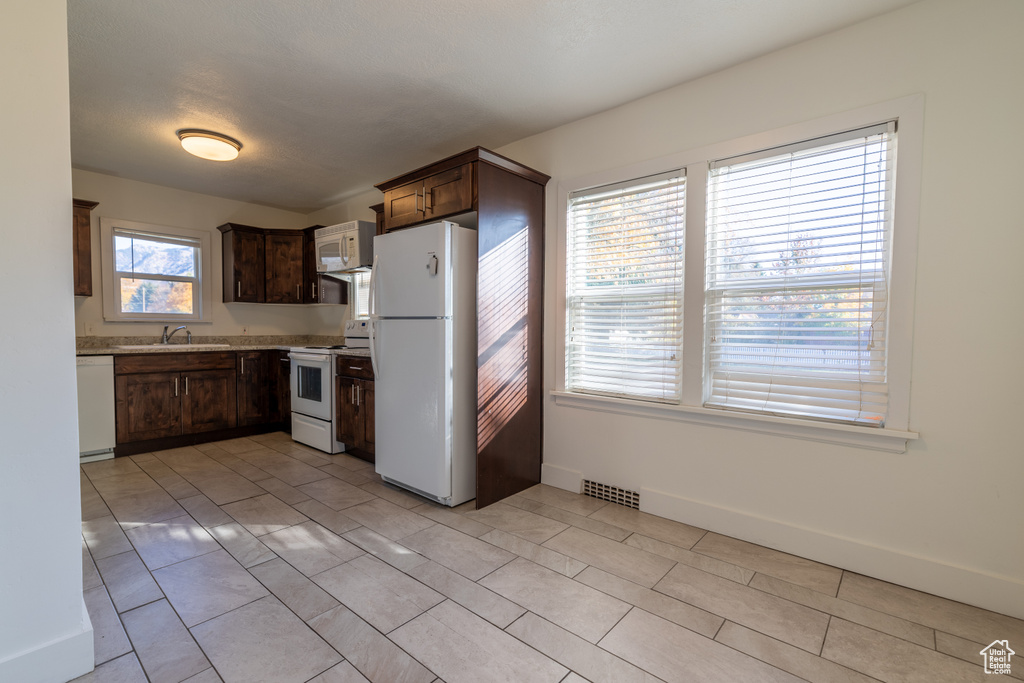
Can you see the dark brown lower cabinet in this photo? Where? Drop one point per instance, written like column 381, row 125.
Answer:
column 253, row 388
column 159, row 405
column 176, row 399
column 369, row 419
column 148, row 406
column 348, row 410
column 208, row 401
column 170, row 395
column 355, row 411
column 280, row 371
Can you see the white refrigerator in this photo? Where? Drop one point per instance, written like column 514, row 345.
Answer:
column 423, row 348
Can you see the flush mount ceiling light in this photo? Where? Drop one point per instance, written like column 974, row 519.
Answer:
column 209, row 145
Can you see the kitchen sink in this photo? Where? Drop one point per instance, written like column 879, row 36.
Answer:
column 173, row 347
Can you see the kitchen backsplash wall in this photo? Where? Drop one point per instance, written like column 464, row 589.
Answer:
column 147, row 203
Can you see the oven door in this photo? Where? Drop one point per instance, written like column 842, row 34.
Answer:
column 312, row 385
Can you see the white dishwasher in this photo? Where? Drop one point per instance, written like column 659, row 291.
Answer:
column 96, row 437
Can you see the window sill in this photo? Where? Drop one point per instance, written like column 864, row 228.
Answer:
column 870, row 438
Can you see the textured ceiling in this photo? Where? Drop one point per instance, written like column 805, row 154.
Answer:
column 331, row 96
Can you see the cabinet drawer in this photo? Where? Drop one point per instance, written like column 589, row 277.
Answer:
column 354, row 367
column 174, row 362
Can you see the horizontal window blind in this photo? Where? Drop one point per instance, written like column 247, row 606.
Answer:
column 797, row 280
column 624, row 289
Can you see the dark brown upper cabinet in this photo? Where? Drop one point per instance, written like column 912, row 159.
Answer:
column 441, row 193
column 318, row 288
column 82, row 245
column 284, row 266
column 275, row 267
column 244, row 263
column 379, row 210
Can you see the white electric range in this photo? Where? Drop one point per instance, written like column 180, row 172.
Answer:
column 313, row 401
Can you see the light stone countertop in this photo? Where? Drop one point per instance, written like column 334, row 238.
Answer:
column 125, row 346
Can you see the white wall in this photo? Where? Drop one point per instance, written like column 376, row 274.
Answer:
column 946, row 516
column 356, row 208
column 146, row 203
column 45, row 633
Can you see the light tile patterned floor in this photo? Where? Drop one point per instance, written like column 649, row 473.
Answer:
column 259, row 559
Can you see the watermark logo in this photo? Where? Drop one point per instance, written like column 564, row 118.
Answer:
column 997, row 657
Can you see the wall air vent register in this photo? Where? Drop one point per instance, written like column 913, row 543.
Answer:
column 613, row 494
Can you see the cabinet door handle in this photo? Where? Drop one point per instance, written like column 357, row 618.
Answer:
column 175, row 387
column 358, row 391
column 312, row 286
column 186, row 385
column 425, row 207
column 243, row 366
column 239, row 289
column 298, row 291
column 352, row 394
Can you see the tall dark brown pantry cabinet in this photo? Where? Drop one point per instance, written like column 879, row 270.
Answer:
column 504, row 201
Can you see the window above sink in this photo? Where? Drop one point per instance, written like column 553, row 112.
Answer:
column 154, row 272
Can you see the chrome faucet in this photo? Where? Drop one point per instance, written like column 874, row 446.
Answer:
column 166, row 338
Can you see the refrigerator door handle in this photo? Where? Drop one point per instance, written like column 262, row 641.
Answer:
column 372, row 306
column 372, row 303
column 373, row 348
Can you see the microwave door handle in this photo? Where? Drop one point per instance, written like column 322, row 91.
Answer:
column 344, row 250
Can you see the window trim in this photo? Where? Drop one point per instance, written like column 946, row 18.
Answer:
column 110, row 288
column 909, row 112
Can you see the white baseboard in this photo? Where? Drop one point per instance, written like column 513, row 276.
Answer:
column 997, row 593
column 561, row 478
column 62, row 659
column 1001, row 594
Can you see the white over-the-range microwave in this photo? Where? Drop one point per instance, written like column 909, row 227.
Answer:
column 344, row 248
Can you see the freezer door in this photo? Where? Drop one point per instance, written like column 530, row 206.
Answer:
column 412, row 272
column 413, row 405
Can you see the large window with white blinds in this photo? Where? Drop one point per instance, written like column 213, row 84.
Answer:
column 797, row 278
column 624, row 289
